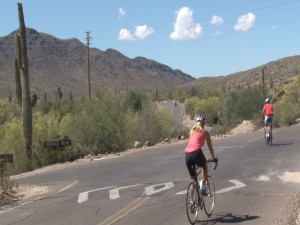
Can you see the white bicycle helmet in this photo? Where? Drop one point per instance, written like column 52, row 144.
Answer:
column 267, row 100
column 200, row 118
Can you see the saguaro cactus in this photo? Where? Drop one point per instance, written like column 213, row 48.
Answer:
column 22, row 68
column 17, row 70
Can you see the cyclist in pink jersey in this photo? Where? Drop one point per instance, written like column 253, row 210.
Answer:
column 193, row 151
column 267, row 113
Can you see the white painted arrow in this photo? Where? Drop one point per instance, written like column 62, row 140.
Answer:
column 84, row 196
column 151, row 189
column 237, row 185
column 114, row 193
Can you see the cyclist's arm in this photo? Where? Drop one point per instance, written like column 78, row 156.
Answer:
column 263, row 111
column 209, row 144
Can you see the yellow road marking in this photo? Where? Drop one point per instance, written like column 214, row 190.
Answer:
column 123, row 212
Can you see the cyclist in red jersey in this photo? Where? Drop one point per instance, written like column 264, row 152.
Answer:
column 193, row 152
column 267, row 114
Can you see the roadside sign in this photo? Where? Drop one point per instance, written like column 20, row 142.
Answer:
column 57, row 144
column 6, row 158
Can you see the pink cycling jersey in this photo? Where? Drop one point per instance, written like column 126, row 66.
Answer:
column 269, row 109
column 196, row 142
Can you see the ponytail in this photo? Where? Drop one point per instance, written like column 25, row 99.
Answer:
column 198, row 127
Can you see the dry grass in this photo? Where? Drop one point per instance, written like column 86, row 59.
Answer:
column 21, row 192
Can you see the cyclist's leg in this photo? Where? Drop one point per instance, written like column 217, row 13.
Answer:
column 271, row 127
column 191, row 166
column 201, row 162
column 190, row 161
column 265, row 125
column 204, row 173
column 271, row 121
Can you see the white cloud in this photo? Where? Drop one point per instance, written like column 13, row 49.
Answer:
column 245, row 22
column 217, row 20
column 121, row 12
column 218, row 33
column 125, row 35
column 143, row 31
column 274, row 27
column 184, row 27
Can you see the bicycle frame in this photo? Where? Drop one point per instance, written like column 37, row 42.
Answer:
column 269, row 136
column 193, row 205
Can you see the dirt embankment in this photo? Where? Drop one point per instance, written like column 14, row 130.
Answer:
column 245, row 127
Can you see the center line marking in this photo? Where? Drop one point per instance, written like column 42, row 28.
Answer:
column 124, row 211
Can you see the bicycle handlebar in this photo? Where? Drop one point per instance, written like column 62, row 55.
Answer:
column 216, row 160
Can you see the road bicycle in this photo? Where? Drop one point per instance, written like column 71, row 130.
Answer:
column 269, row 134
column 195, row 199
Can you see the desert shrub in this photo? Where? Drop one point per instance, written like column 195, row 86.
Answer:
column 9, row 110
column 93, row 127
column 46, row 127
column 6, row 185
column 135, row 100
column 44, row 107
column 12, row 143
column 286, row 113
column 110, row 121
column 219, row 129
column 190, row 104
column 288, row 110
column 242, row 105
column 210, row 107
column 230, row 108
column 148, row 124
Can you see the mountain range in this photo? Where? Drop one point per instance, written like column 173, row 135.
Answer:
column 56, row 63
column 61, row 63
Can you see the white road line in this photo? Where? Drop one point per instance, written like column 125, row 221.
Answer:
column 181, row 192
column 114, row 193
column 25, row 203
column 237, row 183
column 84, row 196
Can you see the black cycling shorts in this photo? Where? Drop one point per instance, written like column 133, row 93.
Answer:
column 194, row 158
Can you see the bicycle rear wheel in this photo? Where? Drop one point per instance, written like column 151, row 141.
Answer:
column 209, row 200
column 271, row 137
column 192, row 202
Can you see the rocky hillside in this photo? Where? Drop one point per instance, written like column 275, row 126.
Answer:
column 63, row 63
column 275, row 73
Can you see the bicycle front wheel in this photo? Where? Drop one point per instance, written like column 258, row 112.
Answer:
column 209, row 200
column 192, row 198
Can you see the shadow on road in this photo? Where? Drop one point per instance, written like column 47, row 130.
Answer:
column 227, row 218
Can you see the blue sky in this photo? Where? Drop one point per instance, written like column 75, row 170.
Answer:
column 198, row 37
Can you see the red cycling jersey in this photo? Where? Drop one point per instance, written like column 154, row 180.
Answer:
column 268, row 109
column 196, row 142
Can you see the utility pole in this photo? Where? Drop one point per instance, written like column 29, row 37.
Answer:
column 263, row 82
column 88, row 38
